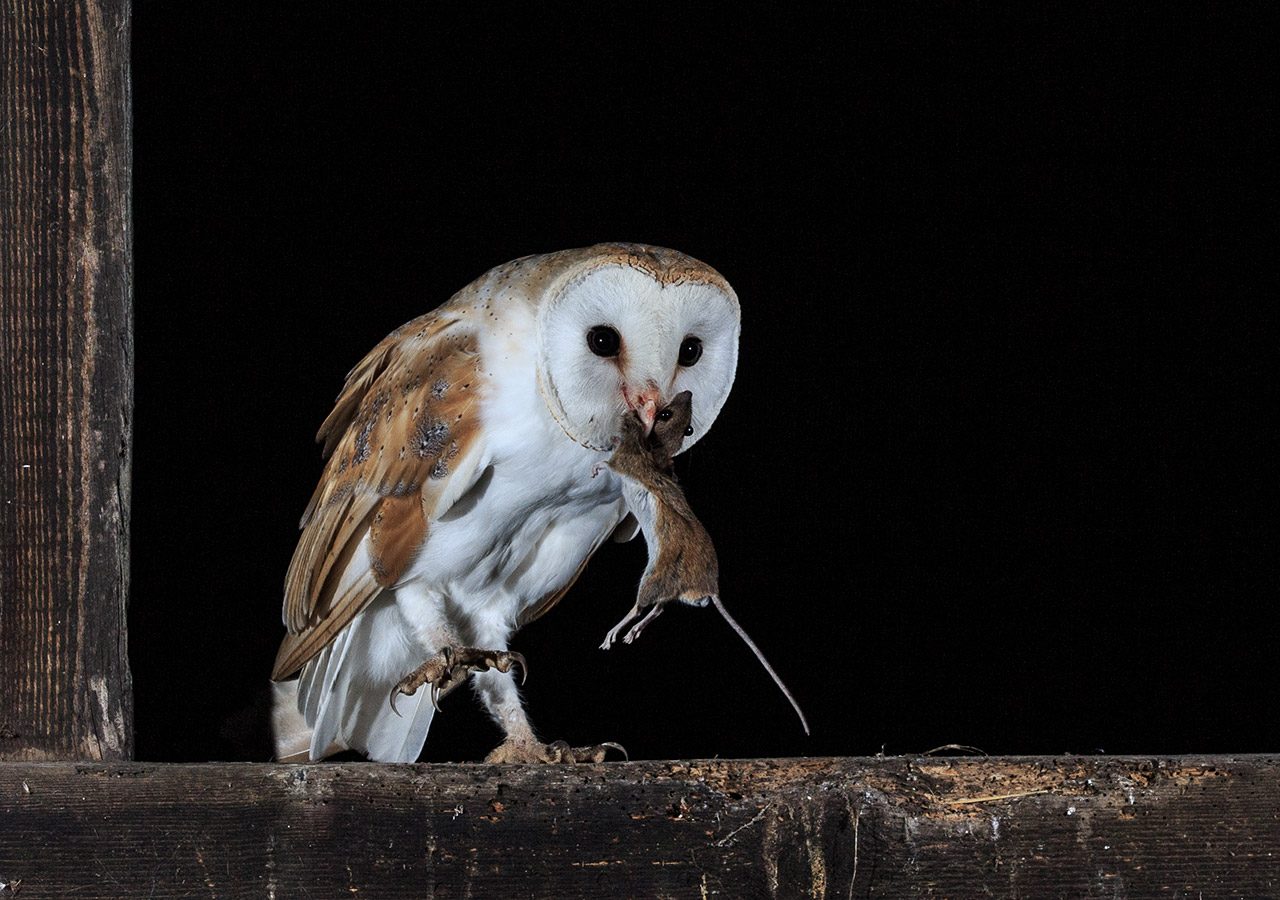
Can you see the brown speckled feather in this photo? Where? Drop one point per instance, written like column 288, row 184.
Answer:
column 408, row 412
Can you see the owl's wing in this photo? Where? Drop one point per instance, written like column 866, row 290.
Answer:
column 403, row 444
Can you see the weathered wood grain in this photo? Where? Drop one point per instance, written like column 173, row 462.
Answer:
column 837, row 828
column 66, row 389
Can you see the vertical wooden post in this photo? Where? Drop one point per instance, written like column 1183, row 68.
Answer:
column 66, row 379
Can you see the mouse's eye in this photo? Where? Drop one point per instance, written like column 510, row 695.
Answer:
column 688, row 430
column 665, row 415
column 690, row 351
column 603, row 341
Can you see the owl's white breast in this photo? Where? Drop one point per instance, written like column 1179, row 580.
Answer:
column 541, row 507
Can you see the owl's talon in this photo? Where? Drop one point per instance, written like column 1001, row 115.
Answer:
column 515, row 659
column 613, row 745
column 596, row 753
column 452, row 666
column 524, row 752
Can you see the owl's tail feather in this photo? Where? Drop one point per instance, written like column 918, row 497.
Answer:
column 289, row 730
column 342, row 696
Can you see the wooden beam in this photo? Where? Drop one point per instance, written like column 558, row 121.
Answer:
column 66, row 383
column 836, row 828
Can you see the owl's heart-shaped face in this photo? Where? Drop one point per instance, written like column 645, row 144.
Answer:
column 616, row 339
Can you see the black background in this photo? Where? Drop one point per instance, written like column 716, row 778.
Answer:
column 995, row 471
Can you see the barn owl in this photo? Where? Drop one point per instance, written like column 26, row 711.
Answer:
column 466, row 487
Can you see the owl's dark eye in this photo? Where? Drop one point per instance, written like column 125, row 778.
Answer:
column 690, row 351
column 603, row 341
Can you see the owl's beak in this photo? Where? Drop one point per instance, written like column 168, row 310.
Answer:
column 645, row 404
column 647, row 412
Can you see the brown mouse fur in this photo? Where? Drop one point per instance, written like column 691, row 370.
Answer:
column 682, row 560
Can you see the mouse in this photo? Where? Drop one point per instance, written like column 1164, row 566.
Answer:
column 683, row 565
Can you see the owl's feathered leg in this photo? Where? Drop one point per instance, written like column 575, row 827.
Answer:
column 453, row 665
column 498, row 691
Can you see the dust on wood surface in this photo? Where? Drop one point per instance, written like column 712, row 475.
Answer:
column 893, row 827
column 66, row 388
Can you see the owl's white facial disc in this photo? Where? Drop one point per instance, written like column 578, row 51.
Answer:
column 615, row 335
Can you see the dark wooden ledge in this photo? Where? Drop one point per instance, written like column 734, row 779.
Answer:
column 894, row 827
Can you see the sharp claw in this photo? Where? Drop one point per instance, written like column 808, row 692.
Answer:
column 456, row 669
column 621, row 749
column 597, row 753
column 518, row 659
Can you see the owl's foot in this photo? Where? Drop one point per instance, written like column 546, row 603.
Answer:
column 451, row 666
column 513, row 752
